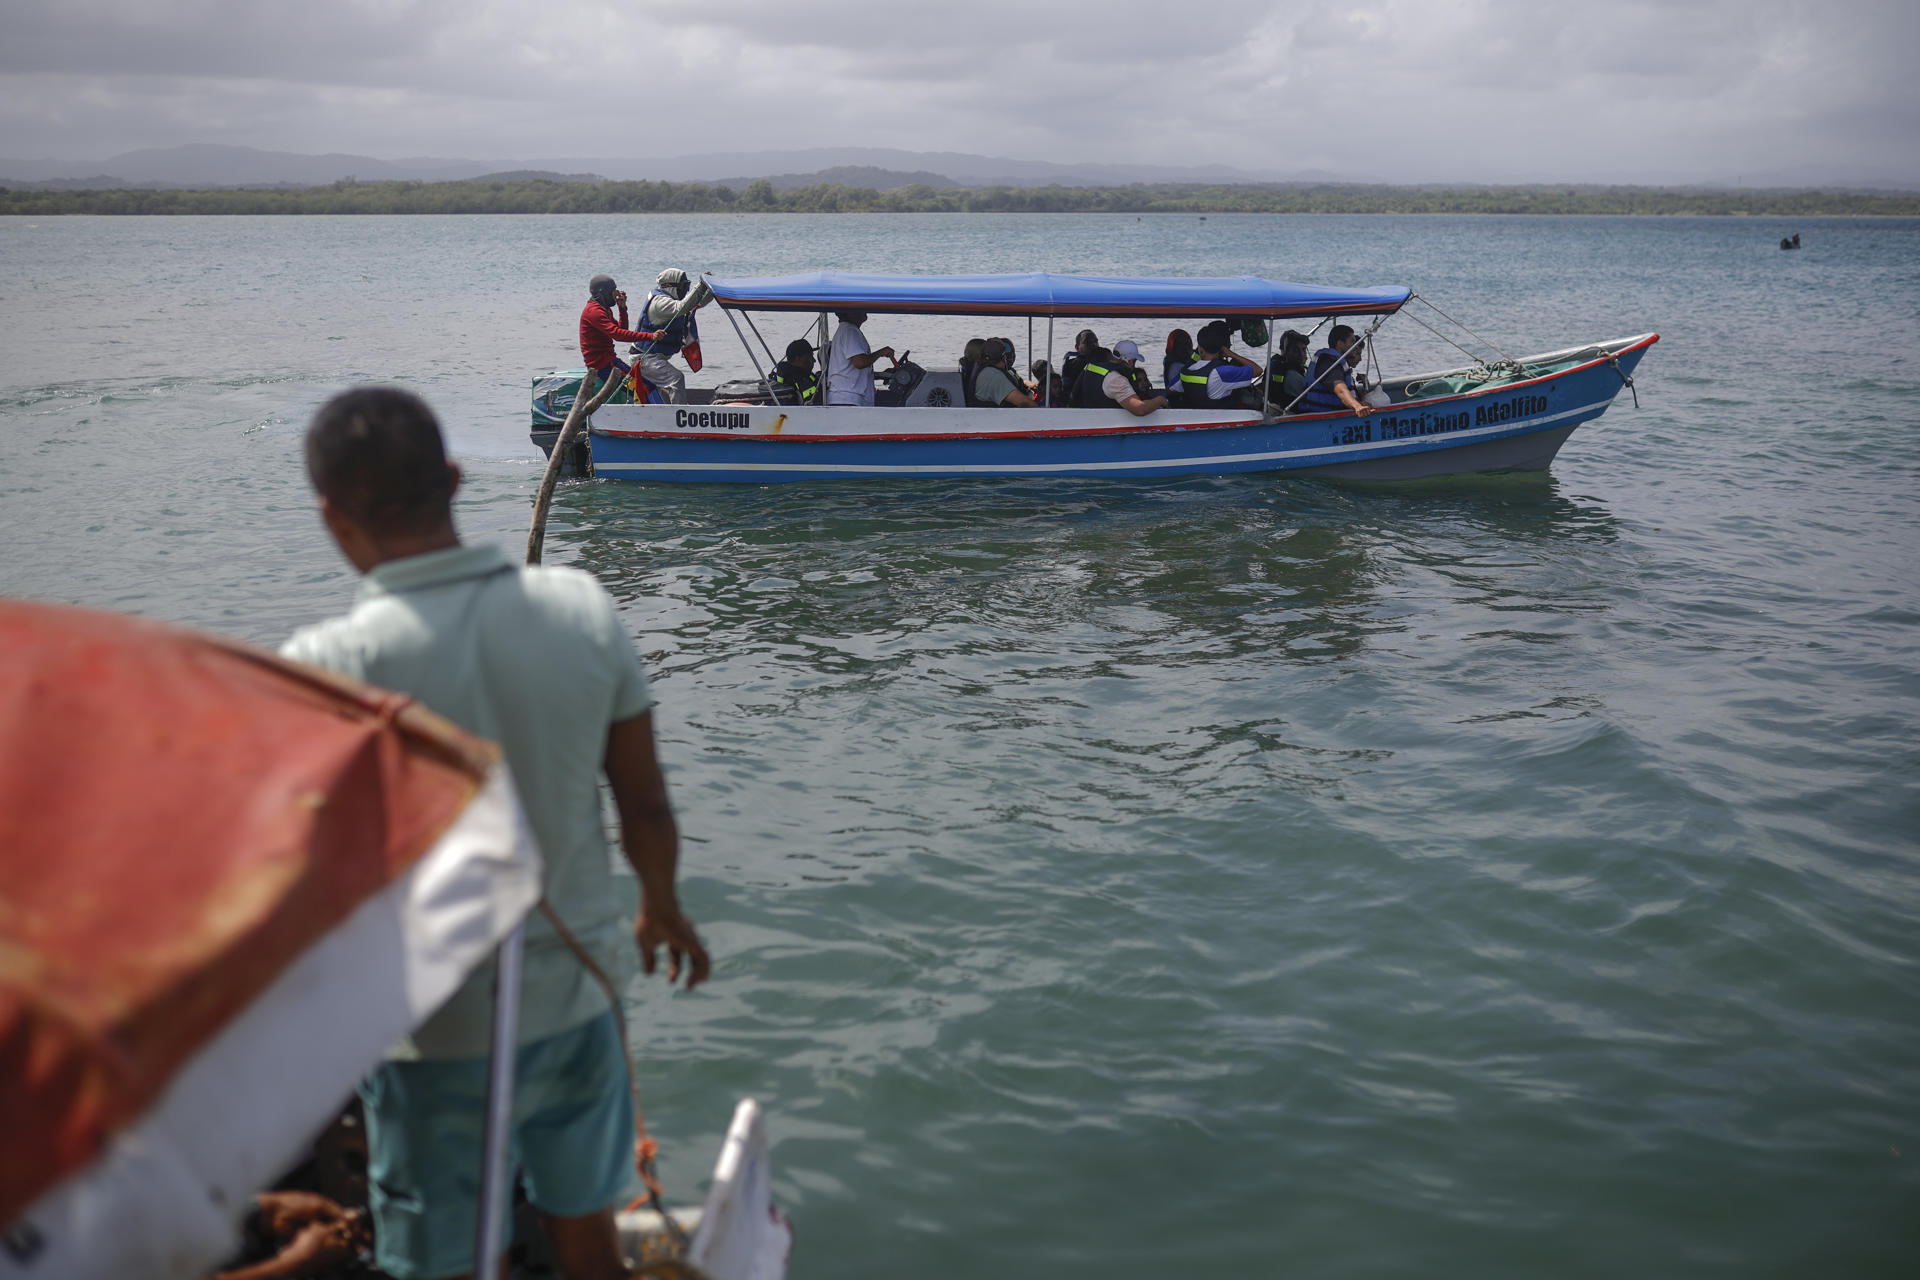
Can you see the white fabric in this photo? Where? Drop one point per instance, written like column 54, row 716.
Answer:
column 742, row 1236
column 1117, row 386
column 166, row 1197
column 845, row 383
column 1227, row 379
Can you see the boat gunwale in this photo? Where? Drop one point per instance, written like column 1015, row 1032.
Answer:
column 1628, row 346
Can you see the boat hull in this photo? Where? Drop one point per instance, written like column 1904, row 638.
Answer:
column 1502, row 427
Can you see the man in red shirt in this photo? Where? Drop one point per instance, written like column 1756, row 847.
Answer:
column 598, row 331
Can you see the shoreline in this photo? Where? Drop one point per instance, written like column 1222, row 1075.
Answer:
column 560, row 198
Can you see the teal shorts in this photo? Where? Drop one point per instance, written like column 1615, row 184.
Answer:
column 572, row 1144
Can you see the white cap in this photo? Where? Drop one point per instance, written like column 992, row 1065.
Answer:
column 1126, row 349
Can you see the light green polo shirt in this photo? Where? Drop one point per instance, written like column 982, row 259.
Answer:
column 536, row 660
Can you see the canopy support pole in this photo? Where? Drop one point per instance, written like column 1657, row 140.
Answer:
column 772, row 359
column 749, row 346
column 495, row 1176
column 826, row 361
column 1266, row 376
column 1050, row 365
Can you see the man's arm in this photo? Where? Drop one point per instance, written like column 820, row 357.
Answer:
column 619, row 332
column 651, row 842
column 1121, row 389
column 1359, row 407
column 866, row 358
column 697, row 297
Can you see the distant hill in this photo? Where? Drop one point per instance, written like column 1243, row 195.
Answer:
column 537, row 175
column 846, row 175
column 204, row 166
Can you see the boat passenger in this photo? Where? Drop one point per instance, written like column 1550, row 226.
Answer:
column 599, row 331
column 1119, row 383
column 970, row 357
column 669, row 308
column 1218, row 375
column 1179, row 356
column 793, row 380
column 995, row 385
column 1086, row 346
column 1012, row 366
column 850, row 361
column 539, row 661
column 1287, row 374
column 1331, row 386
column 1048, row 389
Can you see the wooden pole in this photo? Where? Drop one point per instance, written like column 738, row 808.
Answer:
column 569, row 432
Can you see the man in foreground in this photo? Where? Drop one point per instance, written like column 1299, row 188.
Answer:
column 535, row 659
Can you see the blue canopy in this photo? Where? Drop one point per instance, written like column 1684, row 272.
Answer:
column 1042, row 294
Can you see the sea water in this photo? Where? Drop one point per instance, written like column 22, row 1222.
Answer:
column 1248, row 877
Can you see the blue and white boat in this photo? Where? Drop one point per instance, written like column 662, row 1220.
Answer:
column 1491, row 415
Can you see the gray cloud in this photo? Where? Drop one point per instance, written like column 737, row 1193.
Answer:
column 1498, row 90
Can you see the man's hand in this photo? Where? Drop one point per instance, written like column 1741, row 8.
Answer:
column 284, row 1213
column 651, row 842
column 653, row 929
column 620, row 297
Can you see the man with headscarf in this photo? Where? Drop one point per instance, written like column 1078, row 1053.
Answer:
column 599, row 330
column 669, row 308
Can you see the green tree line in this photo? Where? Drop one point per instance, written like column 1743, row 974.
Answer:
column 546, row 196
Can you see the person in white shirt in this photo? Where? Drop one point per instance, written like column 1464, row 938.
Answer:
column 850, row 362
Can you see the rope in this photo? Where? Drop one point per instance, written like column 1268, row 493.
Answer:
column 1470, row 333
column 1625, row 380
column 670, row 1263
column 1471, row 355
column 644, row 1147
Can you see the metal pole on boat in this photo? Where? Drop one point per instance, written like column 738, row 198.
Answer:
column 495, row 1206
column 764, row 378
column 1266, row 375
column 1030, row 351
column 1050, row 365
column 826, row 366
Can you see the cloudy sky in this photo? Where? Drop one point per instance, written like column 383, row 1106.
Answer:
column 1413, row 90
